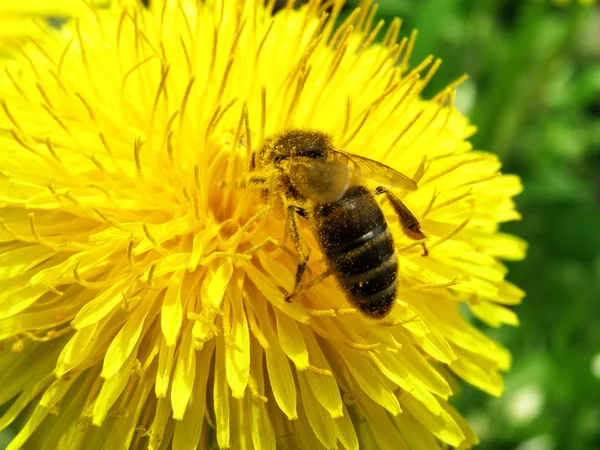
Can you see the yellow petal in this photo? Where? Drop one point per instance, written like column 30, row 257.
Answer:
column 291, row 340
column 212, row 292
column 14, row 302
column 242, row 438
column 185, row 372
column 237, row 361
column 38, row 415
column 442, row 426
column 495, row 315
column 278, row 366
column 417, row 437
column 128, row 338
column 171, row 315
column 324, row 387
column 345, row 431
column 111, row 390
column 436, row 346
column 427, row 375
column 100, row 307
column 165, row 364
column 478, row 371
column 384, row 432
column 221, row 397
column 275, row 297
column 188, row 431
column 370, row 380
column 31, row 391
column 262, row 431
column 21, row 259
column 55, row 392
column 318, row 418
column 157, row 429
column 122, row 430
column 78, row 348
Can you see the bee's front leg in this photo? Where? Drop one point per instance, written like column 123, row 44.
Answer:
column 302, row 250
column 255, row 180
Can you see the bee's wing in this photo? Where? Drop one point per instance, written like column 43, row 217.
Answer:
column 374, row 170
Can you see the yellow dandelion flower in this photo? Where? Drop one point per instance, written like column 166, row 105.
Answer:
column 143, row 283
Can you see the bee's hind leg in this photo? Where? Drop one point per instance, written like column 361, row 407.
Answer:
column 319, row 279
column 302, row 250
column 409, row 223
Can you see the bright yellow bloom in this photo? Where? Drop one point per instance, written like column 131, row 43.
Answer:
column 138, row 310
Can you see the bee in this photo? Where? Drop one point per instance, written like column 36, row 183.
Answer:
column 328, row 188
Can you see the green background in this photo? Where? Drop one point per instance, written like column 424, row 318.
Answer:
column 534, row 94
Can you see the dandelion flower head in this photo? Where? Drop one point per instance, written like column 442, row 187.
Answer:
column 142, row 288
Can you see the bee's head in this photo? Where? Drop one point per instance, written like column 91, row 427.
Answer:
column 295, row 143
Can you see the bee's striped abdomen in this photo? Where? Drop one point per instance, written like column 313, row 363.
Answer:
column 359, row 249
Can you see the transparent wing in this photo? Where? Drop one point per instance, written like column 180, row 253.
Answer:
column 374, row 170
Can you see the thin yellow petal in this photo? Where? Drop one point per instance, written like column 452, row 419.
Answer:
column 161, row 418
column 221, row 397
column 278, row 366
column 22, row 401
column 274, row 296
column 417, row 437
column 128, row 338
column 100, row 307
column 122, row 430
column 370, row 380
column 345, row 431
column 436, row 346
column 318, row 418
column 261, row 429
column 384, row 431
column 171, row 315
column 38, row 415
column 242, row 438
column 415, row 362
column 188, row 431
column 291, row 340
column 165, row 365
column 479, row 371
column 111, row 390
column 238, row 350
column 324, row 387
column 442, row 426
column 55, row 392
column 495, row 315
column 212, row 292
column 21, row 259
column 12, row 303
column 78, row 348
column 185, row 372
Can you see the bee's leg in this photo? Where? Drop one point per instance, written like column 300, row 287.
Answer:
column 302, row 250
column 318, row 279
column 409, row 223
column 259, row 180
column 255, row 180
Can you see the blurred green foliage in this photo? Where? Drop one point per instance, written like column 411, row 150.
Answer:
column 534, row 94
